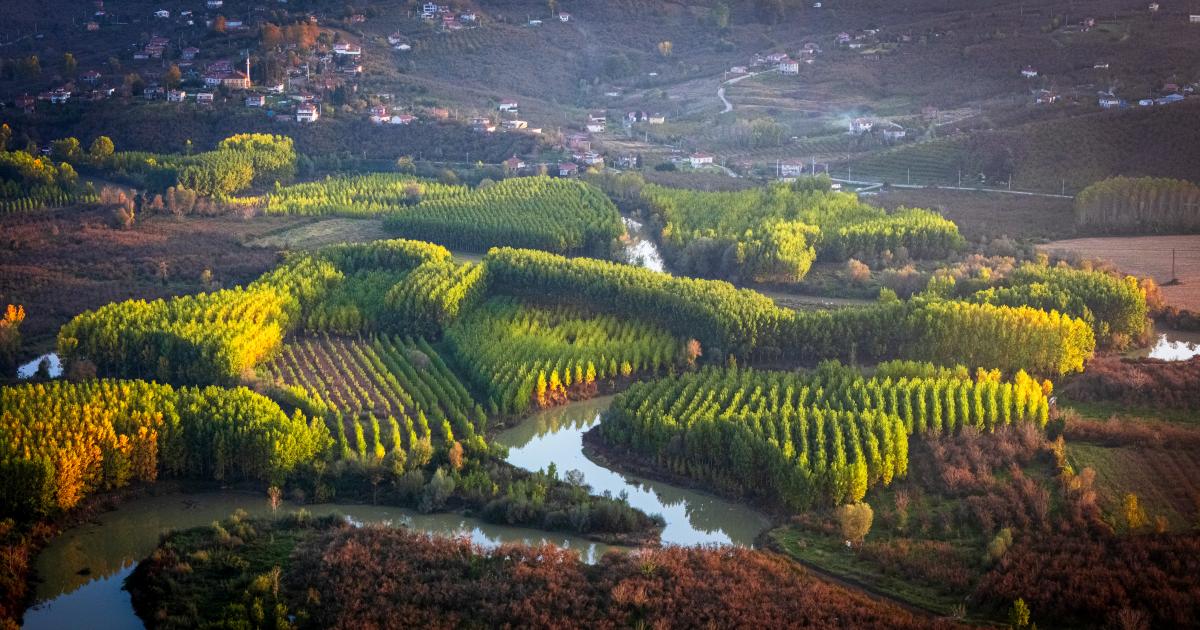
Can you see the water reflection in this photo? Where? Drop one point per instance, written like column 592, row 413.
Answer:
column 27, row 370
column 641, row 249
column 1172, row 345
column 692, row 517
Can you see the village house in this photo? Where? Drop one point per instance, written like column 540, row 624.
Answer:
column 402, row 119
column 1194, row 18
column 1107, row 100
column 775, row 58
column 787, row 65
column 350, row 50
column 656, row 119
column 564, row 17
column 378, row 114
column 578, row 142
column 438, row 113
column 482, row 125
column 596, row 127
column 591, row 158
column 861, row 125
column 843, row 38
column 358, row 18
column 1168, row 99
column 215, row 4
column 507, row 107
column 1153, row 7
column 513, row 164
column 25, row 102
column 1045, row 97
column 1029, row 72
column 91, row 76
column 700, row 159
column 513, row 125
column 791, row 169
column 189, row 53
column 93, row 26
column 176, row 96
column 535, row 22
column 256, row 100
column 204, row 98
column 1100, row 65
column 57, row 96
column 894, row 133
column 153, row 92
column 307, row 113
column 567, row 169
column 162, row 14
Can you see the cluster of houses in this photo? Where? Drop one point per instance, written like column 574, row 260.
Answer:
column 635, row 117
column 379, row 115
column 1169, row 93
column 449, row 19
column 891, row 131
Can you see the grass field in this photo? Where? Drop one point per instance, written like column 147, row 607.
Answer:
column 1166, row 481
column 830, row 555
column 982, row 214
column 313, row 234
column 1147, row 256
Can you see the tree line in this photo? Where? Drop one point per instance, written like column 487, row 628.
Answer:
column 61, row 441
column 823, row 437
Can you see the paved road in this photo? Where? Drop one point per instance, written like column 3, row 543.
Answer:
column 721, row 90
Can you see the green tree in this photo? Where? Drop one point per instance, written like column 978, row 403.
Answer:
column 1018, row 615
column 5, row 136
column 66, row 150
column 101, row 150
column 854, row 520
column 69, row 64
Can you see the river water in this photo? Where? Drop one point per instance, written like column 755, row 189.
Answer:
column 1171, row 345
column 83, row 570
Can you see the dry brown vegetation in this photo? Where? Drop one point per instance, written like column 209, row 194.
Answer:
column 60, row 263
column 390, row 578
column 1139, row 382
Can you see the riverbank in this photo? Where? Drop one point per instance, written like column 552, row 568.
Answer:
column 616, row 458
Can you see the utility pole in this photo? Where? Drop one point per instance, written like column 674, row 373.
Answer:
column 910, row 176
column 960, row 177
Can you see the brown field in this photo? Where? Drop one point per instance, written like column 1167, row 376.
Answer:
column 981, row 214
column 1147, row 256
column 60, row 263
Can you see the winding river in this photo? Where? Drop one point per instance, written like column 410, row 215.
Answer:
column 83, row 570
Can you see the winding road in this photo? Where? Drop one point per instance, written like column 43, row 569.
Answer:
column 721, row 90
